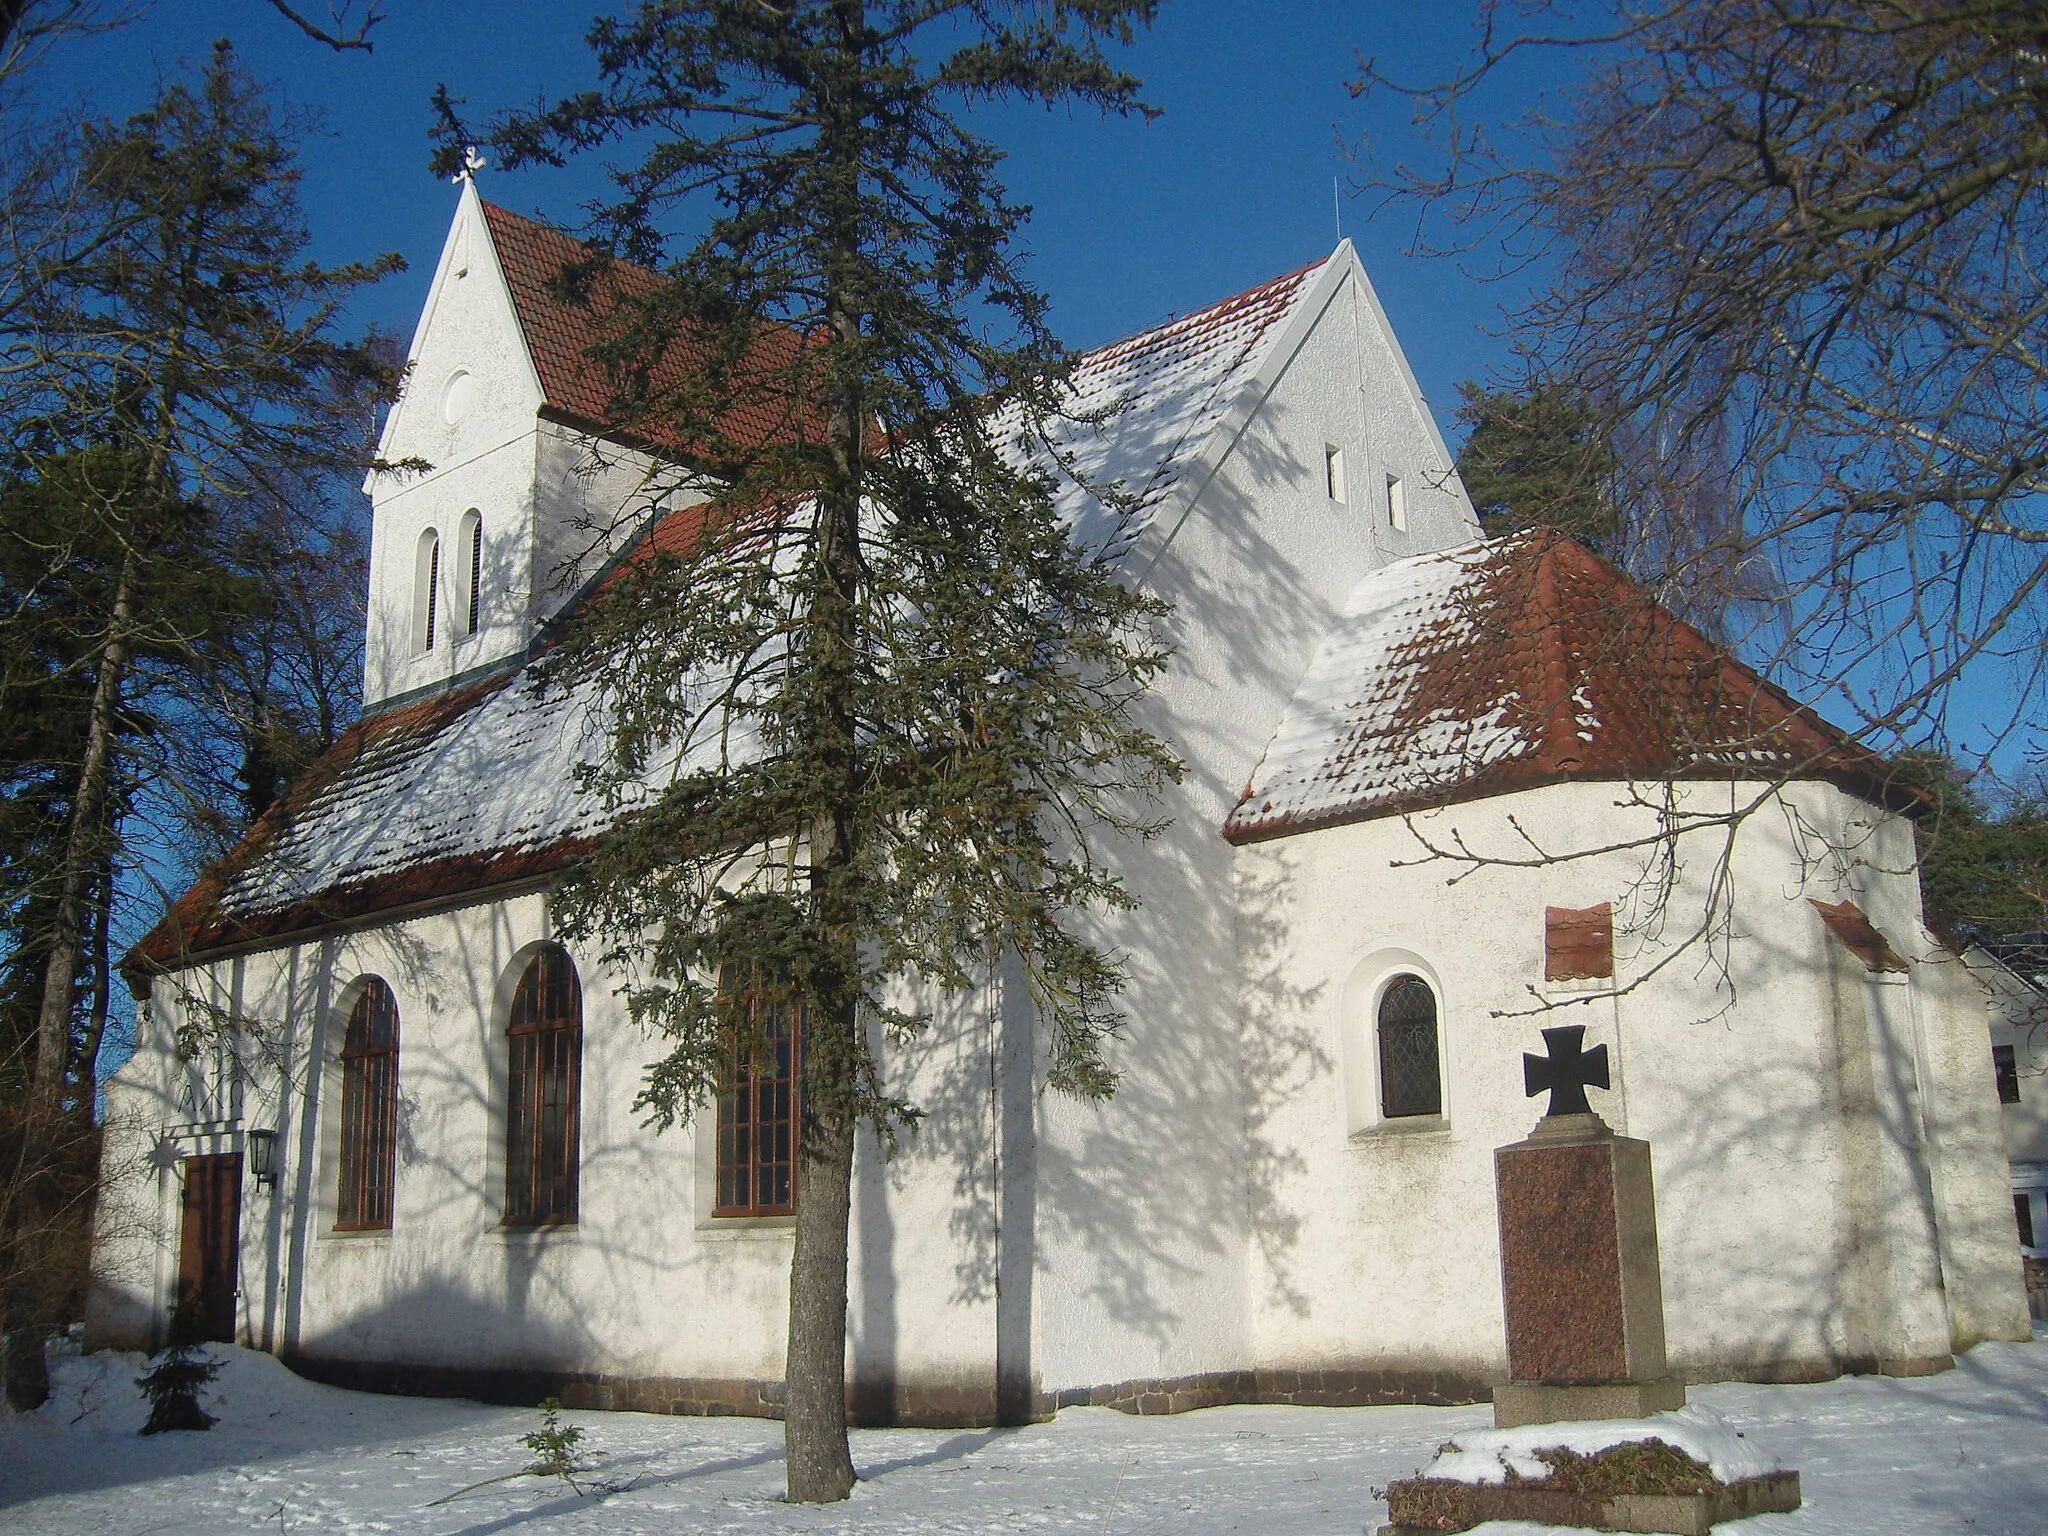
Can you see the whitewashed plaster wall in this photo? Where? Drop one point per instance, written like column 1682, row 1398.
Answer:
column 1967, row 1138
column 2016, row 1016
column 1139, row 1227
column 646, row 1283
column 1788, row 1095
column 468, row 410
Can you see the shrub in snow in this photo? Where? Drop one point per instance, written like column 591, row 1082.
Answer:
column 172, row 1387
column 554, row 1446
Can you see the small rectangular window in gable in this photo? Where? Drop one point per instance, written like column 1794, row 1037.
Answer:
column 1333, row 472
column 1397, row 503
column 1578, row 943
column 2008, row 1073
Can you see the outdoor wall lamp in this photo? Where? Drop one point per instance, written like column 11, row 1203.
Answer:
column 263, row 1156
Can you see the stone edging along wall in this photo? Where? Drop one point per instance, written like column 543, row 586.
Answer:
column 911, row 1405
column 877, row 1404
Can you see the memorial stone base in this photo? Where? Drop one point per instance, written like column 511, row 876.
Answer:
column 1533, row 1402
column 1579, row 1277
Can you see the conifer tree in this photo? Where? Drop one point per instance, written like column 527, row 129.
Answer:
column 882, row 695
column 171, row 355
column 193, row 337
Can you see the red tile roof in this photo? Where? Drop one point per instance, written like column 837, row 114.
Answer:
column 1519, row 662
column 561, row 335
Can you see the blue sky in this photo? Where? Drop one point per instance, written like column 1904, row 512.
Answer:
column 1132, row 221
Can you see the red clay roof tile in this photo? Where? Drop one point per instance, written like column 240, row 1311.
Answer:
column 1519, row 662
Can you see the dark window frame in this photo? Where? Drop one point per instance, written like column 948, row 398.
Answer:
column 475, row 524
column 544, row 1084
column 368, row 1163
column 2005, row 1068
column 758, row 1112
column 1410, row 1053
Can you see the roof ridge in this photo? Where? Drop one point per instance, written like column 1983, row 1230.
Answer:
column 1190, row 318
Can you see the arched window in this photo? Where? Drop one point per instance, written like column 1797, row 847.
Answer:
column 472, row 553
column 369, row 1110
column 546, row 1030
column 1410, row 1083
column 426, row 593
column 757, row 1104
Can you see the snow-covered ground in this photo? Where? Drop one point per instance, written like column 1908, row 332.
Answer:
column 1960, row 1452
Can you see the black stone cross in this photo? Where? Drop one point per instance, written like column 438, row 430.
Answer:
column 1565, row 1071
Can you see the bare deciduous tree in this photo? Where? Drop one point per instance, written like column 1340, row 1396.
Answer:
column 1796, row 258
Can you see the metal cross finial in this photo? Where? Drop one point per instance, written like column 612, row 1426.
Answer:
column 472, row 162
column 1566, row 1071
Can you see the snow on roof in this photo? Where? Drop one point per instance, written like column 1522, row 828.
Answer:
column 477, row 788
column 1143, row 408
column 1516, row 662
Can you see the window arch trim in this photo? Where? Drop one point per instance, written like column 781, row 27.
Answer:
column 426, row 592
column 470, row 551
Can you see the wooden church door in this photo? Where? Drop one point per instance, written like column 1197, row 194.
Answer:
column 209, row 1250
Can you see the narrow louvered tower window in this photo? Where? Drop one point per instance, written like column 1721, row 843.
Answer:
column 369, row 1110
column 426, row 593
column 1410, row 1083
column 473, row 567
column 546, row 1045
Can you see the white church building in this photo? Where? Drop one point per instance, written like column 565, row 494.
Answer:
column 413, row 1163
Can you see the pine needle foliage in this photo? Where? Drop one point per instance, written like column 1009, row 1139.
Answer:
column 1536, row 459
column 868, row 705
column 172, row 1387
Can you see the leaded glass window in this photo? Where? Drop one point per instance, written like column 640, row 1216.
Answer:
column 1410, row 1082
column 757, row 1110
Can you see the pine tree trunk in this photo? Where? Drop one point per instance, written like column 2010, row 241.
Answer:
column 29, row 1322
column 82, row 855
column 102, row 989
column 814, row 1429
column 820, row 1465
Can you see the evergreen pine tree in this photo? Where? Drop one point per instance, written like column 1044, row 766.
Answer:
column 1536, row 459
column 172, row 1387
column 177, row 332
column 899, row 690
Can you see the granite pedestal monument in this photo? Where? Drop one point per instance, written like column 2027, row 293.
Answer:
column 1584, row 1305
column 1578, row 1257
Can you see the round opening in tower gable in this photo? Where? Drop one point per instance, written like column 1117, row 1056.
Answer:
column 457, row 395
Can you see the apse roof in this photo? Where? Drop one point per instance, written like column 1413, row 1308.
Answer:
column 1518, row 662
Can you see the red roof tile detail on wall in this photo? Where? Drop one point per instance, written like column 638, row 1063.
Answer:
column 1847, row 922
column 1578, row 942
column 1523, row 661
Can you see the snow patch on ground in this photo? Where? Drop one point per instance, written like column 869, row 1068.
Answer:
column 1935, row 1456
column 1487, row 1455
